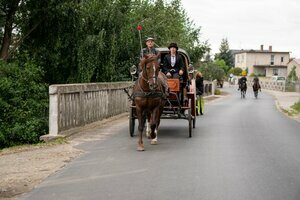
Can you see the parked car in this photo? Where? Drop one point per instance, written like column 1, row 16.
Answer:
column 278, row 78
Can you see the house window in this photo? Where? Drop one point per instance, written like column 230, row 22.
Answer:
column 281, row 59
column 275, row 72
column 238, row 59
column 242, row 58
column 272, row 60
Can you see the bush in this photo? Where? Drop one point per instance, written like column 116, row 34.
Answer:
column 211, row 71
column 23, row 104
column 217, row 92
column 236, row 71
column 296, row 106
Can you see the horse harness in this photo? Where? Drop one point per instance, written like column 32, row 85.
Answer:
column 151, row 93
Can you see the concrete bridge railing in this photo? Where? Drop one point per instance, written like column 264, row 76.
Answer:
column 76, row 105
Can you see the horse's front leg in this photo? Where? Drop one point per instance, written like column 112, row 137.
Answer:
column 155, row 120
column 148, row 127
column 140, row 146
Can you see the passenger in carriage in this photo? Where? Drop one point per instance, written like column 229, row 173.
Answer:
column 173, row 66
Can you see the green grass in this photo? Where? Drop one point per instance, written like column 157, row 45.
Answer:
column 217, row 92
column 296, row 107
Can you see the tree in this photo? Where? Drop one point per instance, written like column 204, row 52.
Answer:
column 225, row 53
column 8, row 9
column 211, row 71
column 292, row 75
column 222, row 64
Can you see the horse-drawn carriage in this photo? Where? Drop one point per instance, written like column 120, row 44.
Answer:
column 179, row 104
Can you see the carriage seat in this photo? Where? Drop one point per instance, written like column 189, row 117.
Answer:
column 174, row 85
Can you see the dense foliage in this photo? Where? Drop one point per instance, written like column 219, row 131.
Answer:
column 23, row 104
column 76, row 41
column 211, row 71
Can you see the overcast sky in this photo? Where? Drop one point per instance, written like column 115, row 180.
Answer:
column 248, row 23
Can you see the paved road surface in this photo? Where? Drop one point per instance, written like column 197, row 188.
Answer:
column 242, row 149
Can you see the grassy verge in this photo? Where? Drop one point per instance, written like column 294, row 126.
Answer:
column 296, row 107
column 294, row 110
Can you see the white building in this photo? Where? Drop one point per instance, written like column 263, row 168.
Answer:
column 263, row 62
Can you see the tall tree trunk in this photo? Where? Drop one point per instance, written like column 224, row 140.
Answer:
column 12, row 8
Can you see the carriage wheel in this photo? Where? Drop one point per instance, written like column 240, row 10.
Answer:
column 194, row 121
column 131, row 122
column 190, row 117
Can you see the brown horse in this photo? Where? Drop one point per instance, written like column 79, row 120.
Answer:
column 149, row 98
column 256, row 86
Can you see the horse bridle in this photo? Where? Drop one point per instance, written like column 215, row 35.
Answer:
column 147, row 78
column 152, row 93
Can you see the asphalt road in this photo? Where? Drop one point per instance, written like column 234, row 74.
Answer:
column 241, row 149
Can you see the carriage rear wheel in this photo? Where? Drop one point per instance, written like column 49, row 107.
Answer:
column 131, row 122
column 194, row 121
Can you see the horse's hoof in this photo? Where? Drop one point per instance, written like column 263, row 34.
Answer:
column 140, row 148
column 154, row 142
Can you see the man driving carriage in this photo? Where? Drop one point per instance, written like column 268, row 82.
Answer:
column 149, row 51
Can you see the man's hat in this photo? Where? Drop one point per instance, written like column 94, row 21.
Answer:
column 149, row 38
column 173, row 45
